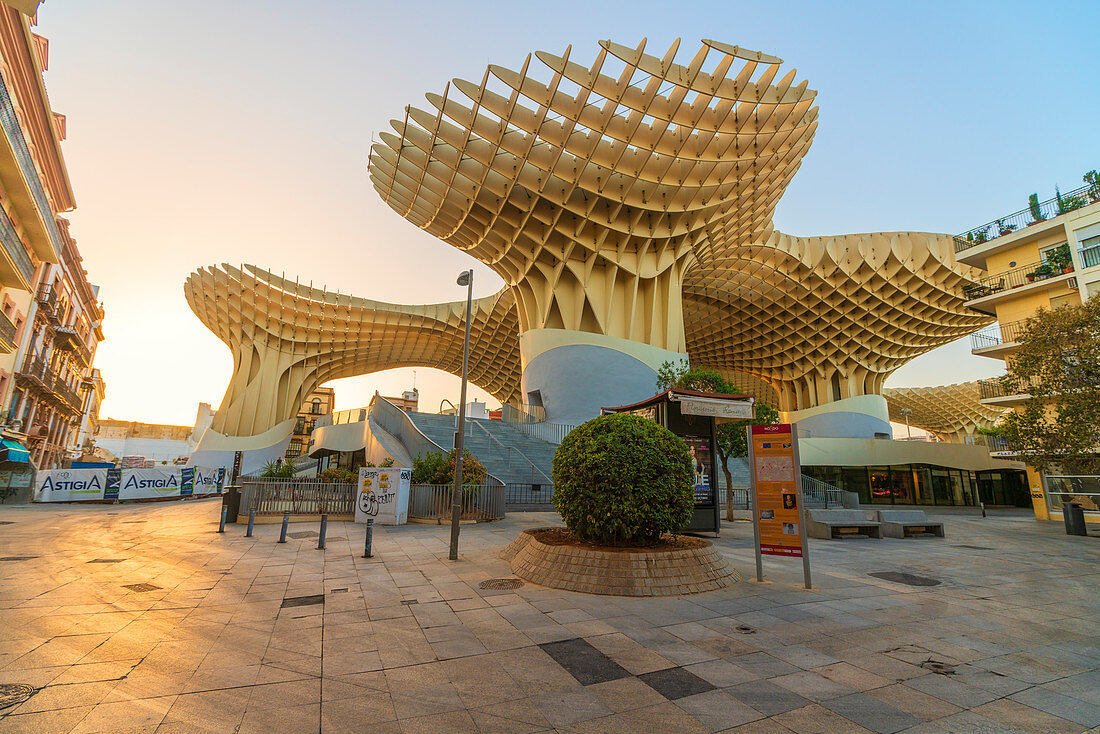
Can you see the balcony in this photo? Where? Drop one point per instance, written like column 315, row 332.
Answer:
column 36, row 374
column 1090, row 252
column 47, row 303
column 1049, row 209
column 997, row 338
column 1017, row 277
column 998, row 391
column 7, row 335
column 68, row 339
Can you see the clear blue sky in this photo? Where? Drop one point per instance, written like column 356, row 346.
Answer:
column 203, row 132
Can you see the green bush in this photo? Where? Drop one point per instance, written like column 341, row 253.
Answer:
column 439, row 468
column 339, row 474
column 276, row 469
column 623, row 480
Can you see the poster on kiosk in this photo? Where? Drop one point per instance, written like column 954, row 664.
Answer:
column 383, row 495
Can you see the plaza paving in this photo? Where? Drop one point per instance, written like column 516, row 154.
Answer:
column 407, row 642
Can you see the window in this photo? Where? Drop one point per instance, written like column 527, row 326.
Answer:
column 316, row 409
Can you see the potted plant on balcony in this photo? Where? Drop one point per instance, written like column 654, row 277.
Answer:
column 1004, row 228
column 1092, row 178
column 1067, row 204
column 978, row 236
column 1036, row 210
column 1060, row 260
column 1041, row 273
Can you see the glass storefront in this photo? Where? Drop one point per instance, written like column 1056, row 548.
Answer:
column 924, row 484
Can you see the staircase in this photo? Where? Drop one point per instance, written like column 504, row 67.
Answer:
column 509, row 455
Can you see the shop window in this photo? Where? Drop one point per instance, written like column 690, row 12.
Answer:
column 855, row 480
column 881, row 489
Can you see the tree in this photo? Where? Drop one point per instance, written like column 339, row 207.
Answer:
column 730, row 438
column 1058, row 364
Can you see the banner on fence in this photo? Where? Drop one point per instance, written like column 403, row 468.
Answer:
column 383, row 495
column 114, row 483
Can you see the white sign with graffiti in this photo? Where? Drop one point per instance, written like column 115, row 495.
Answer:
column 383, row 495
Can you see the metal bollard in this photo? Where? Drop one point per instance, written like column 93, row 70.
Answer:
column 221, row 526
column 286, row 521
column 251, row 522
column 324, row 529
column 370, row 537
column 983, row 508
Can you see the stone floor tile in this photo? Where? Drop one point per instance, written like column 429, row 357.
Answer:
column 811, row 686
column 766, row 697
column 916, row 703
column 626, row 694
column 852, row 676
column 722, row 673
column 948, row 689
column 664, row 717
column 1010, row 713
column 1066, row 707
column 519, row 716
column 718, row 710
column 564, row 708
column 425, row 700
column 871, row 713
column 135, row 717
column 816, row 719
column 64, row 697
column 304, row 719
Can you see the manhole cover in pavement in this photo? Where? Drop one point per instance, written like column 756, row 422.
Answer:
column 13, row 693
column 499, row 584
column 899, row 577
column 304, row 534
column 17, row 558
column 107, row 560
column 140, row 587
column 745, row 629
column 303, row 601
column 938, row 667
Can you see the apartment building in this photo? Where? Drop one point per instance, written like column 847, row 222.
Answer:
column 50, row 315
column 318, row 403
column 1045, row 256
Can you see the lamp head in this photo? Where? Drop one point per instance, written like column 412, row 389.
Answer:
column 464, row 278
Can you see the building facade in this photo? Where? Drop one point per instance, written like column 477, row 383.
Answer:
column 1045, row 256
column 318, row 403
column 51, row 319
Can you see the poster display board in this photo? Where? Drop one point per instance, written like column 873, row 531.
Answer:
column 383, row 495
column 116, row 483
column 779, row 521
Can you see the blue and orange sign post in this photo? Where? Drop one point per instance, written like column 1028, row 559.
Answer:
column 779, row 516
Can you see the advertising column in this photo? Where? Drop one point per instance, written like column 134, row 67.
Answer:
column 779, row 520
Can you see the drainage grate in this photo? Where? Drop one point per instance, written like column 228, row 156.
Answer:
column 908, row 579
column 407, row 602
column 7, row 522
column 13, row 693
column 304, row 534
column 303, row 601
column 338, row 591
column 17, row 558
column 500, row 584
column 972, row 547
column 140, row 587
column 938, row 667
column 107, row 560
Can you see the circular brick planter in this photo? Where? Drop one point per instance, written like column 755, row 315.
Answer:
column 640, row 572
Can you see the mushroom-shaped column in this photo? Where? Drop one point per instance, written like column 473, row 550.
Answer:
column 593, row 191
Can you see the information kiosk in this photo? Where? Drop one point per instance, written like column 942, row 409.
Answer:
column 694, row 416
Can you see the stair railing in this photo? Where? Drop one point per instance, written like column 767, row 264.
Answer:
column 513, row 448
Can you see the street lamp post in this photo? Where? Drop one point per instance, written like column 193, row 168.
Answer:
column 466, row 279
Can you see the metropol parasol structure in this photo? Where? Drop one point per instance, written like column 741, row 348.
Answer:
column 627, row 203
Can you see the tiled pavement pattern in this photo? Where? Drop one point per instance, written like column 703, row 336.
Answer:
column 407, row 642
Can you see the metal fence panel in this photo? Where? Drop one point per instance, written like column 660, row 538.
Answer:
column 480, row 502
column 297, row 496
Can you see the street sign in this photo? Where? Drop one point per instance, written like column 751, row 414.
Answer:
column 716, row 408
column 779, row 516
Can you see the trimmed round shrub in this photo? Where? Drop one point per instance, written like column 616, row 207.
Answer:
column 623, row 480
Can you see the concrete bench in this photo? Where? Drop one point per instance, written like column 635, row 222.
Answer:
column 830, row 524
column 905, row 523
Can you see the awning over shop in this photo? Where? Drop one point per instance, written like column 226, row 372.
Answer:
column 14, row 452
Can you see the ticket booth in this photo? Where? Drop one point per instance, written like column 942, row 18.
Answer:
column 694, row 417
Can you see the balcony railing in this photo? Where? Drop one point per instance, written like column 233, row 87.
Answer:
column 47, row 302
column 997, row 335
column 7, row 331
column 66, row 337
column 997, row 388
column 1018, row 276
column 14, row 247
column 1019, row 220
column 40, row 373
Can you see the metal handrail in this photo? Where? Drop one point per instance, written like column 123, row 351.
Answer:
column 513, row 448
column 1016, row 221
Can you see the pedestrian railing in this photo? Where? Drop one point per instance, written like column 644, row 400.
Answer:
column 296, row 496
column 480, row 502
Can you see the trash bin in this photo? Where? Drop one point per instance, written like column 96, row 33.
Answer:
column 231, row 499
column 1074, row 516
